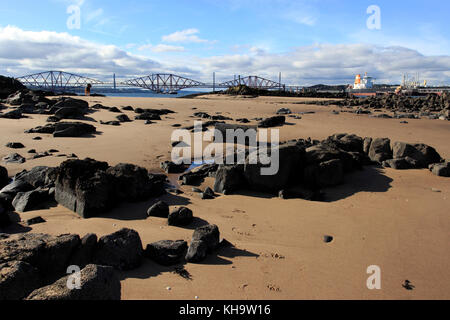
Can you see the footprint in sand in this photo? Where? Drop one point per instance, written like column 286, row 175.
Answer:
column 273, row 288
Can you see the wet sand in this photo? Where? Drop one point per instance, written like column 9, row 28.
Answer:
column 382, row 217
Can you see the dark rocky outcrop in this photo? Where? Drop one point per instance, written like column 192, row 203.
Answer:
column 171, row 167
column 121, row 250
column 96, row 283
column 84, row 254
column 40, row 176
column 15, row 187
column 325, row 174
column 197, row 251
column 166, row 252
column 204, row 240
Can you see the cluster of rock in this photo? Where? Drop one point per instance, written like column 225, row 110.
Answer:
column 87, row 187
column 318, row 164
column 36, row 266
column 432, row 106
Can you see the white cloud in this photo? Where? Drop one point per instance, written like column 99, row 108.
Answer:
column 160, row 48
column 185, row 36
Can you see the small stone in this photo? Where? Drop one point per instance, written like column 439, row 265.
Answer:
column 327, row 239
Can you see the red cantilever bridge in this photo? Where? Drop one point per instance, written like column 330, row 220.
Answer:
column 161, row 82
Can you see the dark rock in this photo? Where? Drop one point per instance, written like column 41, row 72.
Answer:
column 290, row 169
column 70, row 103
column 123, row 118
column 401, row 164
column 325, row 174
column 15, row 145
column 28, row 201
column 15, row 187
column 49, row 254
column 84, row 254
column 73, row 129
column 346, row 142
column 128, row 108
column 37, row 138
column 114, row 109
column 14, row 158
column 4, row 217
column 121, row 250
column 441, row 169
column 131, row 183
column 38, row 176
column 166, row 252
column 327, row 239
column 32, row 151
column 17, row 280
column 272, row 122
column 209, row 234
column 8, row 86
column 97, row 283
column 110, row 123
column 70, row 113
column 422, row 153
column 4, row 179
column 197, row 251
column 208, row 194
column 84, row 187
column 170, row 167
column 148, row 116
column 284, row 111
column 14, row 114
column 366, row 145
column 35, row 220
column 181, row 216
column 380, row 150
column 159, row 209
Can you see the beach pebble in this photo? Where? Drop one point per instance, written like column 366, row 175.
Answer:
column 327, row 239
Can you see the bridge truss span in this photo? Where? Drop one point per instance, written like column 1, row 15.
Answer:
column 253, row 82
column 56, row 80
column 164, row 82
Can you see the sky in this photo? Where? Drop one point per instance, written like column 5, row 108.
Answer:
column 308, row 41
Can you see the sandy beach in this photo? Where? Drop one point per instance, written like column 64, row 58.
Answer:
column 397, row 220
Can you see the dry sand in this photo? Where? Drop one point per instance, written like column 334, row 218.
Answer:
column 381, row 217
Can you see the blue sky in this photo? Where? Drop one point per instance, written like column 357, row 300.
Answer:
column 311, row 41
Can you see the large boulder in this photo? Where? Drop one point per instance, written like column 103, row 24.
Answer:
column 73, row 129
column 209, row 234
column 166, row 252
column 400, row 163
column 49, row 254
column 181, row 216
column 159, row 209
column 8, row 86
column 229, row 179
column 121, row 250
column 84, row 187
column 131, row 183
column 290, row 167
column 31, row 200
column 70, row 113
column 96, row 283
column 380, row 150
column 422, row 153
column 17, row 280
column 325, row 174
column 346, row 142
column 66, row 102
